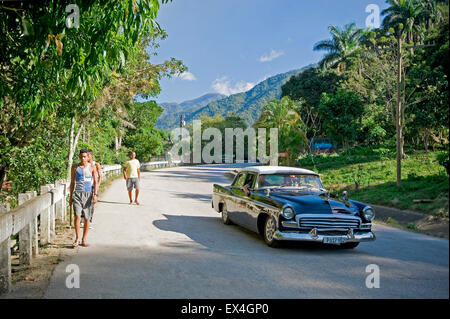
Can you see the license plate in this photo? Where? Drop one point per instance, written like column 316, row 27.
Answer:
column 334, row 240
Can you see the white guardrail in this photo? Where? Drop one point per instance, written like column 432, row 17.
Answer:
column 34, row 220
column 152, row 165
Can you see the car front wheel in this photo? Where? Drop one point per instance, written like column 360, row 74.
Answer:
column 225, row 219
column 269, row 233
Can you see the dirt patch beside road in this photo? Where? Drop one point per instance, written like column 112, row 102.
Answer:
column 412, row 221
column 30, row 282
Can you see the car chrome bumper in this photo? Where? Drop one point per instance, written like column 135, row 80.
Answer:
column 297, row 236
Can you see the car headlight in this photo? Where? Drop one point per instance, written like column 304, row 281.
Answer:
column 368, row 213
column 288, row 213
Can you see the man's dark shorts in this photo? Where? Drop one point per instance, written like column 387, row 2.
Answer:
column 132, row 182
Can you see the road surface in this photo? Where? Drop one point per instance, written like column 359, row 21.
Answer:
column 174, row 245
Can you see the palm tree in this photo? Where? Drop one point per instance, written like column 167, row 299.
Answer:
column 342, row 48
column 406, row 16
column 283, row 115
column 431, row 14
column 277, row 114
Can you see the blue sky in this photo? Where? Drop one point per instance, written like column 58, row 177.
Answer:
column 231, row 45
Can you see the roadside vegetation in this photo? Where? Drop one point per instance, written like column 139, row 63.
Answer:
column 64, row 87
column 369, row 175
column 382, row 96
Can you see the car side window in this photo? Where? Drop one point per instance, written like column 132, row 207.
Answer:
column 240, row 180
column 249, row 180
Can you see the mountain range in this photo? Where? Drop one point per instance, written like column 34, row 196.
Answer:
column 247, row 105
column 172, row 111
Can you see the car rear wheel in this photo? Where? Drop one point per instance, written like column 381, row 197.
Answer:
column 225, row 219
column 269, row 232
column 349, row 245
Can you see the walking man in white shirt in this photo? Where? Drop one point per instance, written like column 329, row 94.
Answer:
column 132, row 176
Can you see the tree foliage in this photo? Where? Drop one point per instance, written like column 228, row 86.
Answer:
column 341, row 115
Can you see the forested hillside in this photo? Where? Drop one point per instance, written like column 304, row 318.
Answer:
column 246, row 105
column 172, row 111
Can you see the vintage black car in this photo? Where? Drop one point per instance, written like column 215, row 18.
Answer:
column 285, row 203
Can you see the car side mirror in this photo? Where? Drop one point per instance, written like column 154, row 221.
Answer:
column 345, row 196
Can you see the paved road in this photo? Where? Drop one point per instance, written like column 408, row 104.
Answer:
column 175, row 246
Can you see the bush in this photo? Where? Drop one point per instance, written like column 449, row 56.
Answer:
column 442, row 158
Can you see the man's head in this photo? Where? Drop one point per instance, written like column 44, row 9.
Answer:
column 262, row 181
column 84, row 156
column 91, row 154
column 132, row 155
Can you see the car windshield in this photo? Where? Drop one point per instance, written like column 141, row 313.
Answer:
column 289, row 180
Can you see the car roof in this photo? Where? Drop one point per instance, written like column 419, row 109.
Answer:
column 277, row 170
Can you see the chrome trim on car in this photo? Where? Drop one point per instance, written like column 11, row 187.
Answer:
column 287, row 206
column 297, row 236
column 269, row 207
column 329, row 221
column 364, row 211
column 289, row 223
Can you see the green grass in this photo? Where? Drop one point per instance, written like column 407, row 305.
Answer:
column 371, row 177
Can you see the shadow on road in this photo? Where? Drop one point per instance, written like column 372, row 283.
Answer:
column 200, row 197
column 213, row 234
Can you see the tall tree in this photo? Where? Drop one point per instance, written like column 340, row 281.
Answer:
column 340, row 115
column 343, row 47
column 402, row 20
column 49, row 65
column 283, row 116
column 405, row 17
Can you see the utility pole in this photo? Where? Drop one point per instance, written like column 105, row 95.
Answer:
column 181, row 125
column 398, row 122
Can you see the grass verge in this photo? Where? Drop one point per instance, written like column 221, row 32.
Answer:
column 371, row 178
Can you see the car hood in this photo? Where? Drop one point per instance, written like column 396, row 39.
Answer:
column 315, row 203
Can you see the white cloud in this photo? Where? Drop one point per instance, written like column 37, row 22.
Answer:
column 187, row 76
column 271, row 56
column 223, row 86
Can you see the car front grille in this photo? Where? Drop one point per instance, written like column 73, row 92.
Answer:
column 328, row 222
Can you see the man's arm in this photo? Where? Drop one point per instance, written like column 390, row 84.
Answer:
column 125, row 171
column 99, row 172
column 246, row 188
column 139, row 171
column 94, row 176
column 72, row 183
